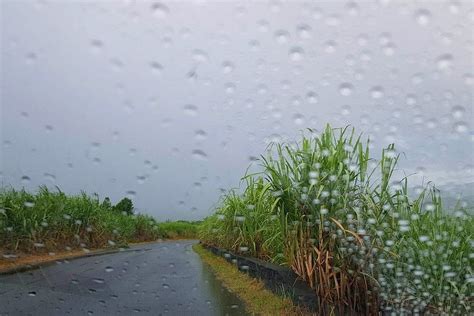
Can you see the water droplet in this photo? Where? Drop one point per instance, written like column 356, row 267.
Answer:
column 160, row 10
column 312, row 97
column 422, row 17
column 461, row 127
column 254, row 45
column 282, row 36
column 25, row 179
column 444, row 62
column 200, row 56
column 262, row 26
column 141, row 179
column 190, row 109
column 366, row 56
column 199, row 154
column 333, row 20
column 346, row 89
column 352, row 8
column 262, row 89
column 296, row 54
column 410, row 99
column 31, row 58
column 96, row 45
column 50, row 177
column 229, row 88
column 362, row 39
column 298, row 119
column 239, row 218
column 468, row 79
column 200, row 134
column 32, row 293
column 330, row 47
column 417, row 78
column 457, row 111
column 240, row 11
column 167, row 41
column 156, row 67
column 304, row 31
column 389, row 49
column 376, row 92
column 227, row 67
column 131, row 194
column 346, row 110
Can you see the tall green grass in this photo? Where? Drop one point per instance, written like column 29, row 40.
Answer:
column 334, row 214
column 247, row 223
column 52, row 221
column 178, row 229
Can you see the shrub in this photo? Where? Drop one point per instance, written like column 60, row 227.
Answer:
column 334, row 214
column 52, row 221
column 124, row 206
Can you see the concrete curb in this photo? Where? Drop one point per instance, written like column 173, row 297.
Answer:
column 34, row 266
column 276, row 278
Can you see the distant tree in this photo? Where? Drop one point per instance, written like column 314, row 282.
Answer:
column 95, row 196
column 125, row 206
column 106, row 204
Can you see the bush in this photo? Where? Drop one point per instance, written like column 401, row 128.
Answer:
column 333, row 214
column 125, row 206
column 178, row 229
column 52, row 221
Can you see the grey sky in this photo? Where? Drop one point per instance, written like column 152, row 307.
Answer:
column 171, row 100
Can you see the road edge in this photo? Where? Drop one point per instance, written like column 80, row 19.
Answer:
column 258, row 299
column 93, row 253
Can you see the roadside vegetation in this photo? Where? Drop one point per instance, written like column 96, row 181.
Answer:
column 258, row 300
column 49, row 221
column 178, row 229
column 336, row 216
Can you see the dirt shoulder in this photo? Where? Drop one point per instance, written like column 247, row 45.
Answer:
column 27, row 261
column 258, row 299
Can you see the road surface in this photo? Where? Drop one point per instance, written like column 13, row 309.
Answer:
column 165, row 278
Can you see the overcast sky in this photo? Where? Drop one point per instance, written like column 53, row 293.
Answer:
column 169, row 102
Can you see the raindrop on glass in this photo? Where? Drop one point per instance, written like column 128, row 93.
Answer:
column 346, row 89
column 190, row 109
column 160, row 10
column 282, row 36
column 444, row 62
column 199, row 154
column 156, row 67
column 227, row 67
column 296, row 54
column 376, row 92
column 422, row 17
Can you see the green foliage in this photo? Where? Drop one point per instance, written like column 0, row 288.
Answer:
column 337, row 217
column 106, row 204
column 124, row 206
column 51, row 221
column 178, row 229
column 258, row 300
column 250, row 221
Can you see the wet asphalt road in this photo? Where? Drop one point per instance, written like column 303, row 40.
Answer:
column 165, row 278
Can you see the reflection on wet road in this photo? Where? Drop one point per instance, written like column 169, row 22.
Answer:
column 155, row 279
